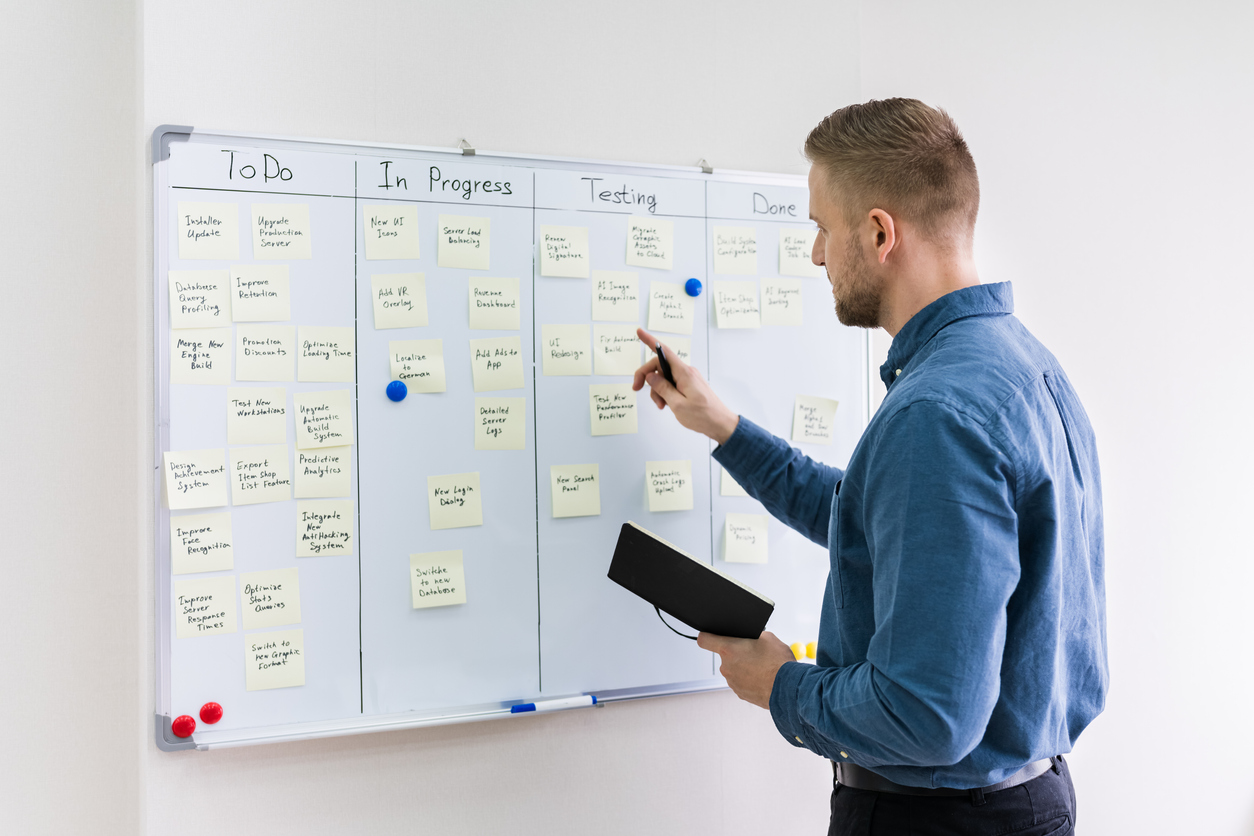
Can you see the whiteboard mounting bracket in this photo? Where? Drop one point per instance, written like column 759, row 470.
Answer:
column 166, row 739
column 164, row 135
column 467, row 149
column 706, row 168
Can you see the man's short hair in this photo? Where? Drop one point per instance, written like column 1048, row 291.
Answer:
column 904, row 157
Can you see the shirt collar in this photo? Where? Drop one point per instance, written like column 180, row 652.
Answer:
column 979, row 300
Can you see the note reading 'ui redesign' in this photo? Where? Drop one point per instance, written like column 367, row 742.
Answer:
column 419, row 364
column 564, row 251
column 391, row 232
column 323, row 419
column 744, row 538
column 260, row 474
column 260, row 293
column 325, row 472
column 495, row 304
column 326, row 354
column 670, row 308
column 400, row 300
column 613, row 408
column 200, row 356
column 281, row 230
column 270, row 599
column 436, row 579
column 576, row 489
column 200, row 299
column 265, row 352
column 615, row 296
column 256, row 415
column 564, row 349
column 795, row 249
column 781, row 302
column 668, row 485
column 500, row 423
column 201, row 543
column 454, row 500
column 204, row 607
column 274, row 660
column 813, row 419
column 194, row 478
column 496, row 363
column 650, row 242
column 729, row 486
column 324, row 527
column 616, row 349
column 464, row 242
column 735, row 250
column 736, row 304
column 208, row 231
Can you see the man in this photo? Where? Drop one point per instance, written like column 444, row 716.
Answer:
column 962, row 648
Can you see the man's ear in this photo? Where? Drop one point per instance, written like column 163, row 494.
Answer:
column 885, row 230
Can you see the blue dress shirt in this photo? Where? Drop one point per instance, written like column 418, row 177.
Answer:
column 963, row 631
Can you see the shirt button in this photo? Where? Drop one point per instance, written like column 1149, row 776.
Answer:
column 844, row 754
column 899, row 373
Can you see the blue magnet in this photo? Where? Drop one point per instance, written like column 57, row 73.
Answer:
column 693, row 286
column 397, row 390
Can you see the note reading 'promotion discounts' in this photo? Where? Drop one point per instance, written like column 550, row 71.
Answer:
column 265, row 352
column 200, row 356
column 650, row 242
column 270, row 599
column 576, row 490
column 744, row 538
column 323, row 419
column 494, row 304
column 208, row 231
column 324, row 527
column 564, row 251
column 781, row 302
column 274, row 660
column 260, row 293
column 281, row 230
column 200, row 299
column 668, row 485
column 670, row 308
column 454, row 500
column 256, row 415
column 391, row 232
column 735, row 250
column 813, row 419
column 201, row 543
column 496, row 363
column 204, row 607
column 419, row 364
column 613, row 408
column 260, row 474
column 327, row 354
column 616, row 349
column 400, row 300
column 325, row 472
column 464, row 242
column 795, row 248
column 500, row 423
column 194, row 478
column 615, row 296
column 736, row 304
column 437, row 579
column 564, row 349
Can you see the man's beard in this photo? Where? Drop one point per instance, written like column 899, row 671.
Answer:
column 857, row 293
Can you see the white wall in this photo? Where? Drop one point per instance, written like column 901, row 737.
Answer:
column 1112, row 140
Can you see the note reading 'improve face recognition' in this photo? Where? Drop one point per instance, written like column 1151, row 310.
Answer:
column 201, row 543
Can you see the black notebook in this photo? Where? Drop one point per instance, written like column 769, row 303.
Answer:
column 682, row 586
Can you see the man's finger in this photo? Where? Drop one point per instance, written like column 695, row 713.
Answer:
column 710, row 641
column 651, row 365
column 647, row 338
column 661, row 386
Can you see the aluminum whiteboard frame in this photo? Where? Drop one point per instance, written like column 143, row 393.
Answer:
column 161, row 138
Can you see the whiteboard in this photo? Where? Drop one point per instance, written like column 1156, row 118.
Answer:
column 540, row 619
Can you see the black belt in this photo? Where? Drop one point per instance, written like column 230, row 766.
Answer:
column 855, row 777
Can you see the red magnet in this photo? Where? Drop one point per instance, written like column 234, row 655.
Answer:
column 210, row 713
column 183, row 726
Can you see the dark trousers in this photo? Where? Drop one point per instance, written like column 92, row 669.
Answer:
column 1044, row 806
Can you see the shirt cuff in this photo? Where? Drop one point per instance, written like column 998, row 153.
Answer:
column 784, row 702
column 744, row 448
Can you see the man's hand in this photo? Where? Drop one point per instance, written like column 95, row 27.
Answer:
column 748, row 665
column 691, row 399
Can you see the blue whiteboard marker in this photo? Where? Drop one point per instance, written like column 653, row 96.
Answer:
column 554, row 705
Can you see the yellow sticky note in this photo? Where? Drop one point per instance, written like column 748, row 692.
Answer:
column 194, row 478
column 730, row 487
column 495, row 304
column 270, row 599
column 391, row 231
column 813, row 418
column 464, row 242
column 325, row 472
column 650, row 242
column 564, row 349
column 256, row 415
column 564, row 251
column 323, row 419
column 613, row 408
column 274, row 660
column 682, row 346
column 204, row 607
column 781, row 302
column 201, row 543
column 326, row 354
column 616, row 349
column 795, row 249
column 454, row 500
column 500, row 423
column 400, row 300
column 200, row 299
column 496, row 363
column 324, row 527
column 812, row 649
column 670, row 308
column 265, row 352
column 260, row 293
column 419, row 364
column 736, row 304
column 200, row 356
column 281, row 230
column 798, row 650
column 208, row 231
column 735, row 250
column 744, row 538
column 260, row 474
column 668, row 485
column 437, row 579
column 576, row 490
column 615, row 296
